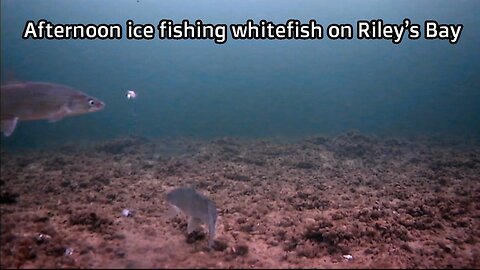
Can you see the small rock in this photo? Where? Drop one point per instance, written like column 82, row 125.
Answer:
column 127, row 213
column 41, row 238
column 68, row 251
column 219, row 245
column 240, row 250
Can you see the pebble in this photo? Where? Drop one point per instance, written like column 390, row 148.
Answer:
column 126, row 213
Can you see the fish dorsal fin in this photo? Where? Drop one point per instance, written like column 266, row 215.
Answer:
column 8, row 126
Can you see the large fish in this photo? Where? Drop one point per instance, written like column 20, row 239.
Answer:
column 39, row 100
column 197, row 207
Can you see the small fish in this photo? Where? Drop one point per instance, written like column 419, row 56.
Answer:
column 40, row 100
column 197, row 207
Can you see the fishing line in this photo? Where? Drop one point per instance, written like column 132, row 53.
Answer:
column 131, row 95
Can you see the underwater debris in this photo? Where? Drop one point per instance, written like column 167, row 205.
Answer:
column 197, row 207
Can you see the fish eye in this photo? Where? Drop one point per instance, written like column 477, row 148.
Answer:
column 91, row 102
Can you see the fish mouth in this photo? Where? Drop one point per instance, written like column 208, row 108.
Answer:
column 99, row 105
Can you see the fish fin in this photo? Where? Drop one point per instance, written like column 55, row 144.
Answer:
column 8, row 126
column 172, row 211
column 212, row 223
column 193, row 224
column 58, row 115
column 211, row 233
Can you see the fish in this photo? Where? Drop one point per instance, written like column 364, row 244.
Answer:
column 24, row 101
column 198, row 208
